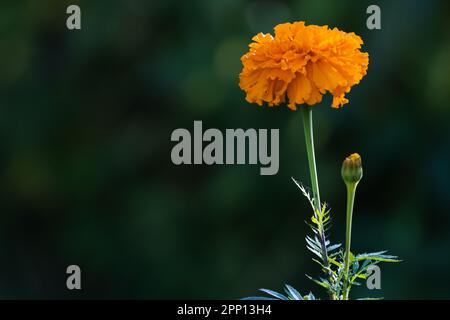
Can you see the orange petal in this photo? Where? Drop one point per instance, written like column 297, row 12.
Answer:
column 298, row 90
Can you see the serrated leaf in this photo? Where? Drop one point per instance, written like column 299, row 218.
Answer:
column 323, row 283
column 378, row 256
column 293, row 292
column 274, row 294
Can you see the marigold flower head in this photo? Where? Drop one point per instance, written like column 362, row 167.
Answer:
column 301, row 63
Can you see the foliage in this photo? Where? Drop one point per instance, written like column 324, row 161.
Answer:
column 290, row 294
column 330, row 257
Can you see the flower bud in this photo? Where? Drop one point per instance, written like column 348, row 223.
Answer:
column 352, row 171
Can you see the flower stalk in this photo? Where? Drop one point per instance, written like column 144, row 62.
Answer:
column 351, row 190
column 309, row 139
column 351, row 174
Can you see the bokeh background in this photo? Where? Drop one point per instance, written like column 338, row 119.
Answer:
column 86, row 176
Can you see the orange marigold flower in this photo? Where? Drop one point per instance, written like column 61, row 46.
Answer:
column 302, row 63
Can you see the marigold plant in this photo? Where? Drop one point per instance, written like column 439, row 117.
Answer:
column 297, row 67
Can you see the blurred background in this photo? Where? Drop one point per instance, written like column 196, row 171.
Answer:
column 86, row 176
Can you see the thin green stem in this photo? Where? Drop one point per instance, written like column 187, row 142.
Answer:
column 351, row 190
column 309, row 139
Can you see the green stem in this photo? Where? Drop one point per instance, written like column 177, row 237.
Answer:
column 351, row 190
column 309, row 139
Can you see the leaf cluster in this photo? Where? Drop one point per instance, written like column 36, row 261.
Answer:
column 330, row 257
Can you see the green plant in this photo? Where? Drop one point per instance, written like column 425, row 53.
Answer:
column 340, row 267
column 296, row 67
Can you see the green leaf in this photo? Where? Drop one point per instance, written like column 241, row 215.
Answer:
column 378, row 256
column 335, row 262
column 292, row 292
column 334, row 247
column 274, row 294
column 318, row 262
column 310, row 296
column 355, row 266
column 360, row 276
column 322, row 282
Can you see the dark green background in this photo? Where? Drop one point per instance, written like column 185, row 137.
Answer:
column 85, row 170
